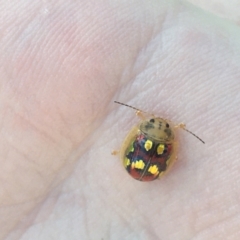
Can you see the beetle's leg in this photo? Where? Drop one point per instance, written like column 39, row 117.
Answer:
column 143, row 116
column 180, row 125
column 140, row 114
column 115, row 152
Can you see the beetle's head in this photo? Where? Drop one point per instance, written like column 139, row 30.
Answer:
column 158, row 129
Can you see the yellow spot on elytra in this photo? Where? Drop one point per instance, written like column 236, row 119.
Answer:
column 138, row 164
column 160, row 149
column 148, row 145
column 153, row 170
column 131, row 149
column 126, row 162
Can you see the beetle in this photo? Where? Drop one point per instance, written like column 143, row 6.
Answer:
column 149, row 149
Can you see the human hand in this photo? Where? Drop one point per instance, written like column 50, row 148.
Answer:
column 62, row 65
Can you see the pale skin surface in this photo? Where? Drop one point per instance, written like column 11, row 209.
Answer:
column 62, row 64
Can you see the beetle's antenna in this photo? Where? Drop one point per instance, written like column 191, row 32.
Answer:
column 128, row 106
column 182, row 126
column 194, row 135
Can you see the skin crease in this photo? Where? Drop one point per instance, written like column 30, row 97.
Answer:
column 61, row 66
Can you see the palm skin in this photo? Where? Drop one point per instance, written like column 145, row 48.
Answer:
column 62, row 65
